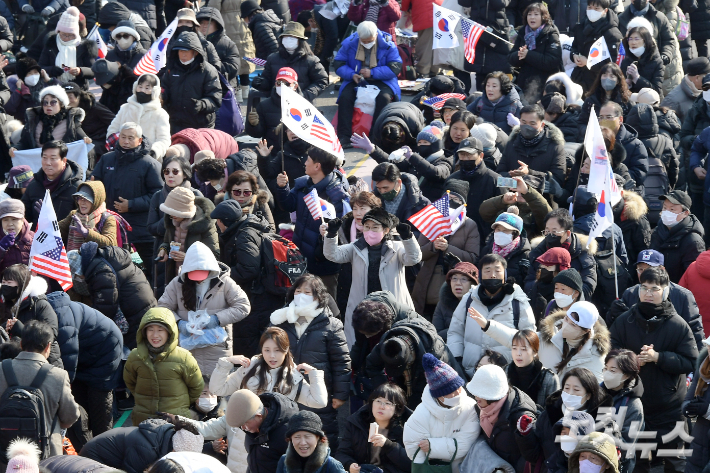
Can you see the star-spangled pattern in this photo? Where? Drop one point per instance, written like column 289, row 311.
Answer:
column 471, row 33
column 433, row 220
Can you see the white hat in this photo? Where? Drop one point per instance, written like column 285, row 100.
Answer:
column 486, row 133
column 56, row 91
column 69, row 22
column 647, row 96
column 587, row 313
column 125, row 26
column 489, row 382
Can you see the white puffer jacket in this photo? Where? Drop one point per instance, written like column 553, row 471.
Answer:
column 466, row 338
column 150, row 116
column 214, row 429
column 441, row 425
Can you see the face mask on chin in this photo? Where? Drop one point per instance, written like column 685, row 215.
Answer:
column 187, row 63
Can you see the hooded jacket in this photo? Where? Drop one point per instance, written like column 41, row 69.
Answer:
column 265, row 27
column 546, row 156
column 680, row 244
column 135, row 176
column 237, row 30
column 183, row 84
column 585, row 33
column 151, row 116
column 482, row 185
column 113, row 12
column 86, row 54
column 265, row 448
column 19, row 252
column 406, row 115
column 695, row 279
column 168, row 382
column 62, row 195
column 123, row 86
column 106, row 235
column 33, row 118
column 497, row 113
column 630, row 215
column 225, row 47
column 224, row 299
column 540, row 63
column 312, row 78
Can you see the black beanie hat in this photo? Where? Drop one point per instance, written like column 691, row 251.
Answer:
column 228, row 211
column 570, row 278
column 305, row 421
column 25, row 65
column 397, row 355
column 458, row 187
column 380, row 215
column 441, row 85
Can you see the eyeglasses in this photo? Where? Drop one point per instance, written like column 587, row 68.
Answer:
column 607, row 117
column 239, row 193
column 123, row 36
column 51, row 103
column 166, row 172
column 282, row 82
column 385, row 404
column 650, row 290
column 551, row 232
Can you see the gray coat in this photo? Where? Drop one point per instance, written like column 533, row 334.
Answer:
column 482, row 459
column 680, row 99
column 58, row 399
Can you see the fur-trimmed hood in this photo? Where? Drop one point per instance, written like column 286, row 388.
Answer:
column 35, row 287
column 634, row 205
column 576, row 247
column 550, row 325
column 553, row 133
column 574, row 90
column 313, row 464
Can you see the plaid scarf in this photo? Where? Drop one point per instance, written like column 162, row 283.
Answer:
column 504, row 251
column 89, row 221
column 531, row 36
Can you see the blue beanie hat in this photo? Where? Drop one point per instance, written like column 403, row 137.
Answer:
column 431, row 133
column 441, row 378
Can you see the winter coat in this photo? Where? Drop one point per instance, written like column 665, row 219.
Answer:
column 597, row 100
column 312, row 78
column 113, row 12
column 585, row 33
column 518, row 259
column 124, row 85
column 533, row 212
column 33, row 119
column 680, row 245
column 135, row 176
column 86, row 54
column 19, row 252
column 73, row 464
column 266, row 447
column 547, row 383
column 680, row 99
column 183, row 84
column 539, row 64
column 686, row 47
column 62, row 195
column 265, row 27
column 696, row 120
column 91, row 343
column 131, row 449
column 319, row 461
column 698, row 156
column 170, row 381
column 432, row 172
column 8, row 26
column 97, row 120
column 650, row 67
column 482, row 185
column 412, row 202
column 546, row 156
column 116, row 283
column 225, row 47
column 568, row 123
column 466, row 339
column 269, row 111
column 695, row 279
column 152, row 11
column 217, row 428
column 237, row 30
column 405, row 114
column 568, row 14
column 636, row 154
column 590, row 355
column 355, row 448
column 700, row 444
column 444, row 311
column 247, row 160
column 224, row 299
column 497, row 113
column 493, row 52
column 332, row 188
column 441, row 426
column 628, row 397
column 104, row 231
column 673, row 340
column 198, row 139
column 645, row 121
column 583, row 225
column 389, row 62
column 422, row 13
column 387, row 16
column 465, row 244
column 634, row 225
column 152, row 118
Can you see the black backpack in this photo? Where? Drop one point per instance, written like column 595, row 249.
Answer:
column 605, row 292
column 22, row 411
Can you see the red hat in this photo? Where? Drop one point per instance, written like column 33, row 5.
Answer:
column 287, row 74
column 557, row 255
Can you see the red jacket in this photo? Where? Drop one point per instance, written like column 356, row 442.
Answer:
column 422, row 12
column 386, row 19
column 198, row 139
column 697, row 280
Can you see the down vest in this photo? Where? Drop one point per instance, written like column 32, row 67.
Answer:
column 199, row 139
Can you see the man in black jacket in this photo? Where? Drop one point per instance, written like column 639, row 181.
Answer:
column 212, row 28
column 264, row 26
column 399, row 191
column 264, row 419
column 611, row 115
column 666, row 351
column 187, row 22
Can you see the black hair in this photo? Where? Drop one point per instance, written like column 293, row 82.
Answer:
column 182, row 162
column 655, row 275
column 10, row 349
column 303, row 18
column 19, row 273
column 648, row 41
column 326, row 160
column 621, row 90
column 464, row 116
column 590, row 384
column 210, row 168
column 56, row 144
column 394, row 394
column 492, row 259
column 149, row 78
column 534, row 108
column 600, row 3
column 494, row 357
column 320, row 293
column 506, row 85
column 386, row 172
column 564, row 219
column 165, row 465
column 36, row 336
column 372, row 317
column 626, row 360
column 555, row 85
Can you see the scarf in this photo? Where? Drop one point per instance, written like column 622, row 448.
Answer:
column 643, row 12
column 489, row 415
column 51, row 186
column 373, row 12
column 66, row 57
column 354, row 232
column 90, row 221
column 693, row 90
column 504, row 251
column 300, row 317
column 49, row 122
column 360, row 55
column 704, row 378
column 534, row 141
column 155, row 351
column 181, row 232
column 524, row 378
column 531, row 36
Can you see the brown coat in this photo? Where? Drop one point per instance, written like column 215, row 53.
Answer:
column 107, row 237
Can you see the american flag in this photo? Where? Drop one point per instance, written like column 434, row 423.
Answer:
column 320, row 131
column 48, row 257
column 433, row 220
column 471, row 32
column 437, row 102
column 621, row 54
column 255, row 60
column 314, row 204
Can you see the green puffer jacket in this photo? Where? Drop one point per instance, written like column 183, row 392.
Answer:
column 171, row 382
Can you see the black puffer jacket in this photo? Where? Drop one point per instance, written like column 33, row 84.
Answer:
column 491, row 53
column 312, row 78
column 636, row 155
column 132, row 449
column 74, row 132
column 211, row 56
column 596, row 101
column 585, row 34
column 444, row 310
column 539, row 64
column 86, row 54
column 547, row 155
column 62, row 195
column 432, row 173
column 265, row 27
column 650, row 67
column 634, row 225
column 355, row 447
column 663, row 33
column 567, row 123
column 405, row 114
column 191, row 94
column 497, row 113
column 98, row 119
column 518, row 262
column 680, row 244
column 225, row 47
column 279, row 7
column 672, row 338
column 269, row 111
column 152, row 11
column 264, row 448
column 73, row 464
column 700, row 21
column 113, row 12
column 122, row 86
column 116, row 283
column 91, row 343
column 643, row 119
column 482, row 185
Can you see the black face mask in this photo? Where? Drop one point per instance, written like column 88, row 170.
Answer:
column 491, row 285
column 427, row 150
column 180, row 29
column 528, row 132
column 553, row 241
column 142, row 97
column 468, row 165
column 10, row 293
column 298, row 146
column 546, row 275
column 649, row 310
column 640, row 4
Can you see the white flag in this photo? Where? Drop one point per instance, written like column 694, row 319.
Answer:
column 598, row 53
column 48, row 256
column 77, row 151
column 306, row 122
column 445, row 22
column 599, row 161
column 457, row 218
column 604, row 217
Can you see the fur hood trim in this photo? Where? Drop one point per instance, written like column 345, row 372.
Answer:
column 592, row 250
column 36, row 287
column 313, row 463
column 550, row 325
column 291, row 313
column 554, row 133
column 574, row 90
column 634, row 205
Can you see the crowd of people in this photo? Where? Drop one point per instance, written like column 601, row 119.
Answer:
column 213, row 324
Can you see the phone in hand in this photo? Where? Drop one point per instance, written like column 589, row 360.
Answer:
column 507, row 182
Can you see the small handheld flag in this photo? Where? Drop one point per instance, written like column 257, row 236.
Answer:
column 437, row 102
column 621, row 55
column 597, row 53
column 48, row 257
column 155, row 59
column 313, row 203
column 433, row 220
column 472, row 32
column 255, row 60
column 96, row 37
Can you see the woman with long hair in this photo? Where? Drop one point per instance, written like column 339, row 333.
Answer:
column 610, row 85
column 642, row 65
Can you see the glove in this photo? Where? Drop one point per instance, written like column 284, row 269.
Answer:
column 396, row 156
column 552, row 187
column 513, row 120
column 666, row 59
column 404, row 230
column 696, row 408
column 78, row 227
column 37, row 206
column 333, row 227
column 407, row 152
column 362, row 142
column 199, row 105
column 214, row 322
column 7, row 241
column 525, row 424
column 28, row 8
column 47, row 11
column 253, row 118
column 171, row 418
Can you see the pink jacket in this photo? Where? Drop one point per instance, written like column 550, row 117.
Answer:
column 199, row 139
column 386, row 20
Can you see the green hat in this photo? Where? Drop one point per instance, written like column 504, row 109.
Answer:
column 294, row 29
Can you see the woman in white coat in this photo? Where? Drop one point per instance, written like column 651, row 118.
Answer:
column 496, row 299
column 143, row 107
column 571, row 339
column 376, row 246
column 445, row 424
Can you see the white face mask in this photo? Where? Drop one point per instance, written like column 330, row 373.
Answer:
column 290, row 43
column 612, row 380
column 452, row 401
column 594, row 15
column 125, row 43
column 563, row 300
column 206, row 404
column 278, row 91
column 571, row 401
column 638, row 52
column 567, row 443
column 32, row 80
column 585, row 466
column 669, row 218
column 368, row 45
column 706, row 95
column 188, row 62
column 502, row 239
column 571, row 332
column 299, row 300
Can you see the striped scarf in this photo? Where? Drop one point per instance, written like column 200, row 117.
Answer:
column 373, row 12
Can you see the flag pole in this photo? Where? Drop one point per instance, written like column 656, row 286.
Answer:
column 496, row 36
column 283, row 165
column 613, row 255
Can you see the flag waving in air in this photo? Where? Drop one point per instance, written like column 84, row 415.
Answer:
column 598, row 52
column 433, row 220
column 313, row 203
column 96, row 38
column 604, row 218
column 621, row 55
column 155, row 59
column 472, row 32
column 444, row 25
column 47, row 255
column 438, row 101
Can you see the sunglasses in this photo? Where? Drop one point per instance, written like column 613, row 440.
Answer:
column 706, row 87
column 239, row 192
column 123, row 36
column 51, row 103
column 166, row 172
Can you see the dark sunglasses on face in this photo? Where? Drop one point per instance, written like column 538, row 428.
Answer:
column 166, row 172
column 123, row 36
column 239, row 193
column 51, row 103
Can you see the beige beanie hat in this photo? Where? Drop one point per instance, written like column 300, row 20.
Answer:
column 180, row 202
column 205, row 154
column 242, row 406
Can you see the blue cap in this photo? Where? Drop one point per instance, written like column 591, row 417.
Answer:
column 651, row 258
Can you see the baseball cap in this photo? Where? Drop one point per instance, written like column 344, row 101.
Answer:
column 587, row 313
column 470, row 145
column 85, row 193
column 651, row 258
column 678, row 198
column 287, row 74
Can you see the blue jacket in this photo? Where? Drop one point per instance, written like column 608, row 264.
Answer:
column 387, row 52
column 91, row 343
column 334, row 189
column 698, row 153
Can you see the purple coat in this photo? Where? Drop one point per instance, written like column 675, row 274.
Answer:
column 386, row 19
column 19, row 253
